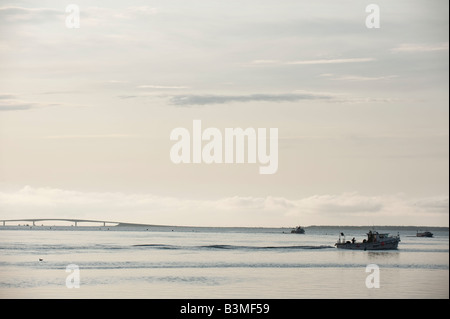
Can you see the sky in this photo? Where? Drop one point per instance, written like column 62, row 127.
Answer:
column 362, row 113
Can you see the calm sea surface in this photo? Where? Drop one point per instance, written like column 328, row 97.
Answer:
column 182, row 262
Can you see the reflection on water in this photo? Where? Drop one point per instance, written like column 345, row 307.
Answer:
column 383, row 255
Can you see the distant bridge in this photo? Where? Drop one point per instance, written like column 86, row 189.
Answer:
column 76, row 221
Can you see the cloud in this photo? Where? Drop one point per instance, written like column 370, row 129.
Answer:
column 266, row 62
column 97, row 136
column 133, row 12
column 311, row 62
column 9, row 102
column 116, row 82
column 297, row 95
column 415, row 47
column 358, row 78
column 432, row 204
column 32, row 15
column 193, row 99
column 162, row 87
column 6, row 96
column 348, row 203
column 92, row 16
column 270, row 211
column 331, row 61
column 16, row 106
column 124, row 97
column 101, row 16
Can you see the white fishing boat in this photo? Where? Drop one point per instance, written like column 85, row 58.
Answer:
column 374, row 241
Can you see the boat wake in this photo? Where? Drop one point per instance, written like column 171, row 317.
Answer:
column 233, row 247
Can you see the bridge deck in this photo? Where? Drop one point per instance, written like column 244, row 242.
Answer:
column 74, row 220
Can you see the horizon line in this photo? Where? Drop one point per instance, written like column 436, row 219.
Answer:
column 133, row 224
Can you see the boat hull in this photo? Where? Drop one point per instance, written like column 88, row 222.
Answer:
column 298, row 230
column 382, row 245
column 425, row 234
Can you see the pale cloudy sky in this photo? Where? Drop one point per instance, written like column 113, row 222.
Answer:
column 362, row 114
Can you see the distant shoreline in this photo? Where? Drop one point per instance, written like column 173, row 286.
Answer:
column 151, row 227
column 75, row 222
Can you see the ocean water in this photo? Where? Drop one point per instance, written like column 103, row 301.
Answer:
column 183, row 262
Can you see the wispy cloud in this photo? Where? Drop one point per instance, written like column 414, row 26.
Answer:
column 90, row 15
column 16, row 105
column 5, row 96
column 92, row 136
column 102, row 16
column 298, row 95
column 266, row 62
column 196, row 99
column 359, row 78
column 124, row 97
column 133, row 12
column 116, row 82
column 331, row 61
column 163, row 87
column 21, row 14
column 11, row 102
column 310, row 62
column 420, row 47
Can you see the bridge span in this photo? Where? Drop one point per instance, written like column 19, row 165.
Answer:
column 73, row 220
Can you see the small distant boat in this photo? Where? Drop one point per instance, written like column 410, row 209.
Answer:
column 374, row 241
column 424, row 234
column 298, row 230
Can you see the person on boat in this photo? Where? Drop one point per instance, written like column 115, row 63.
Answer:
column 353, row 240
